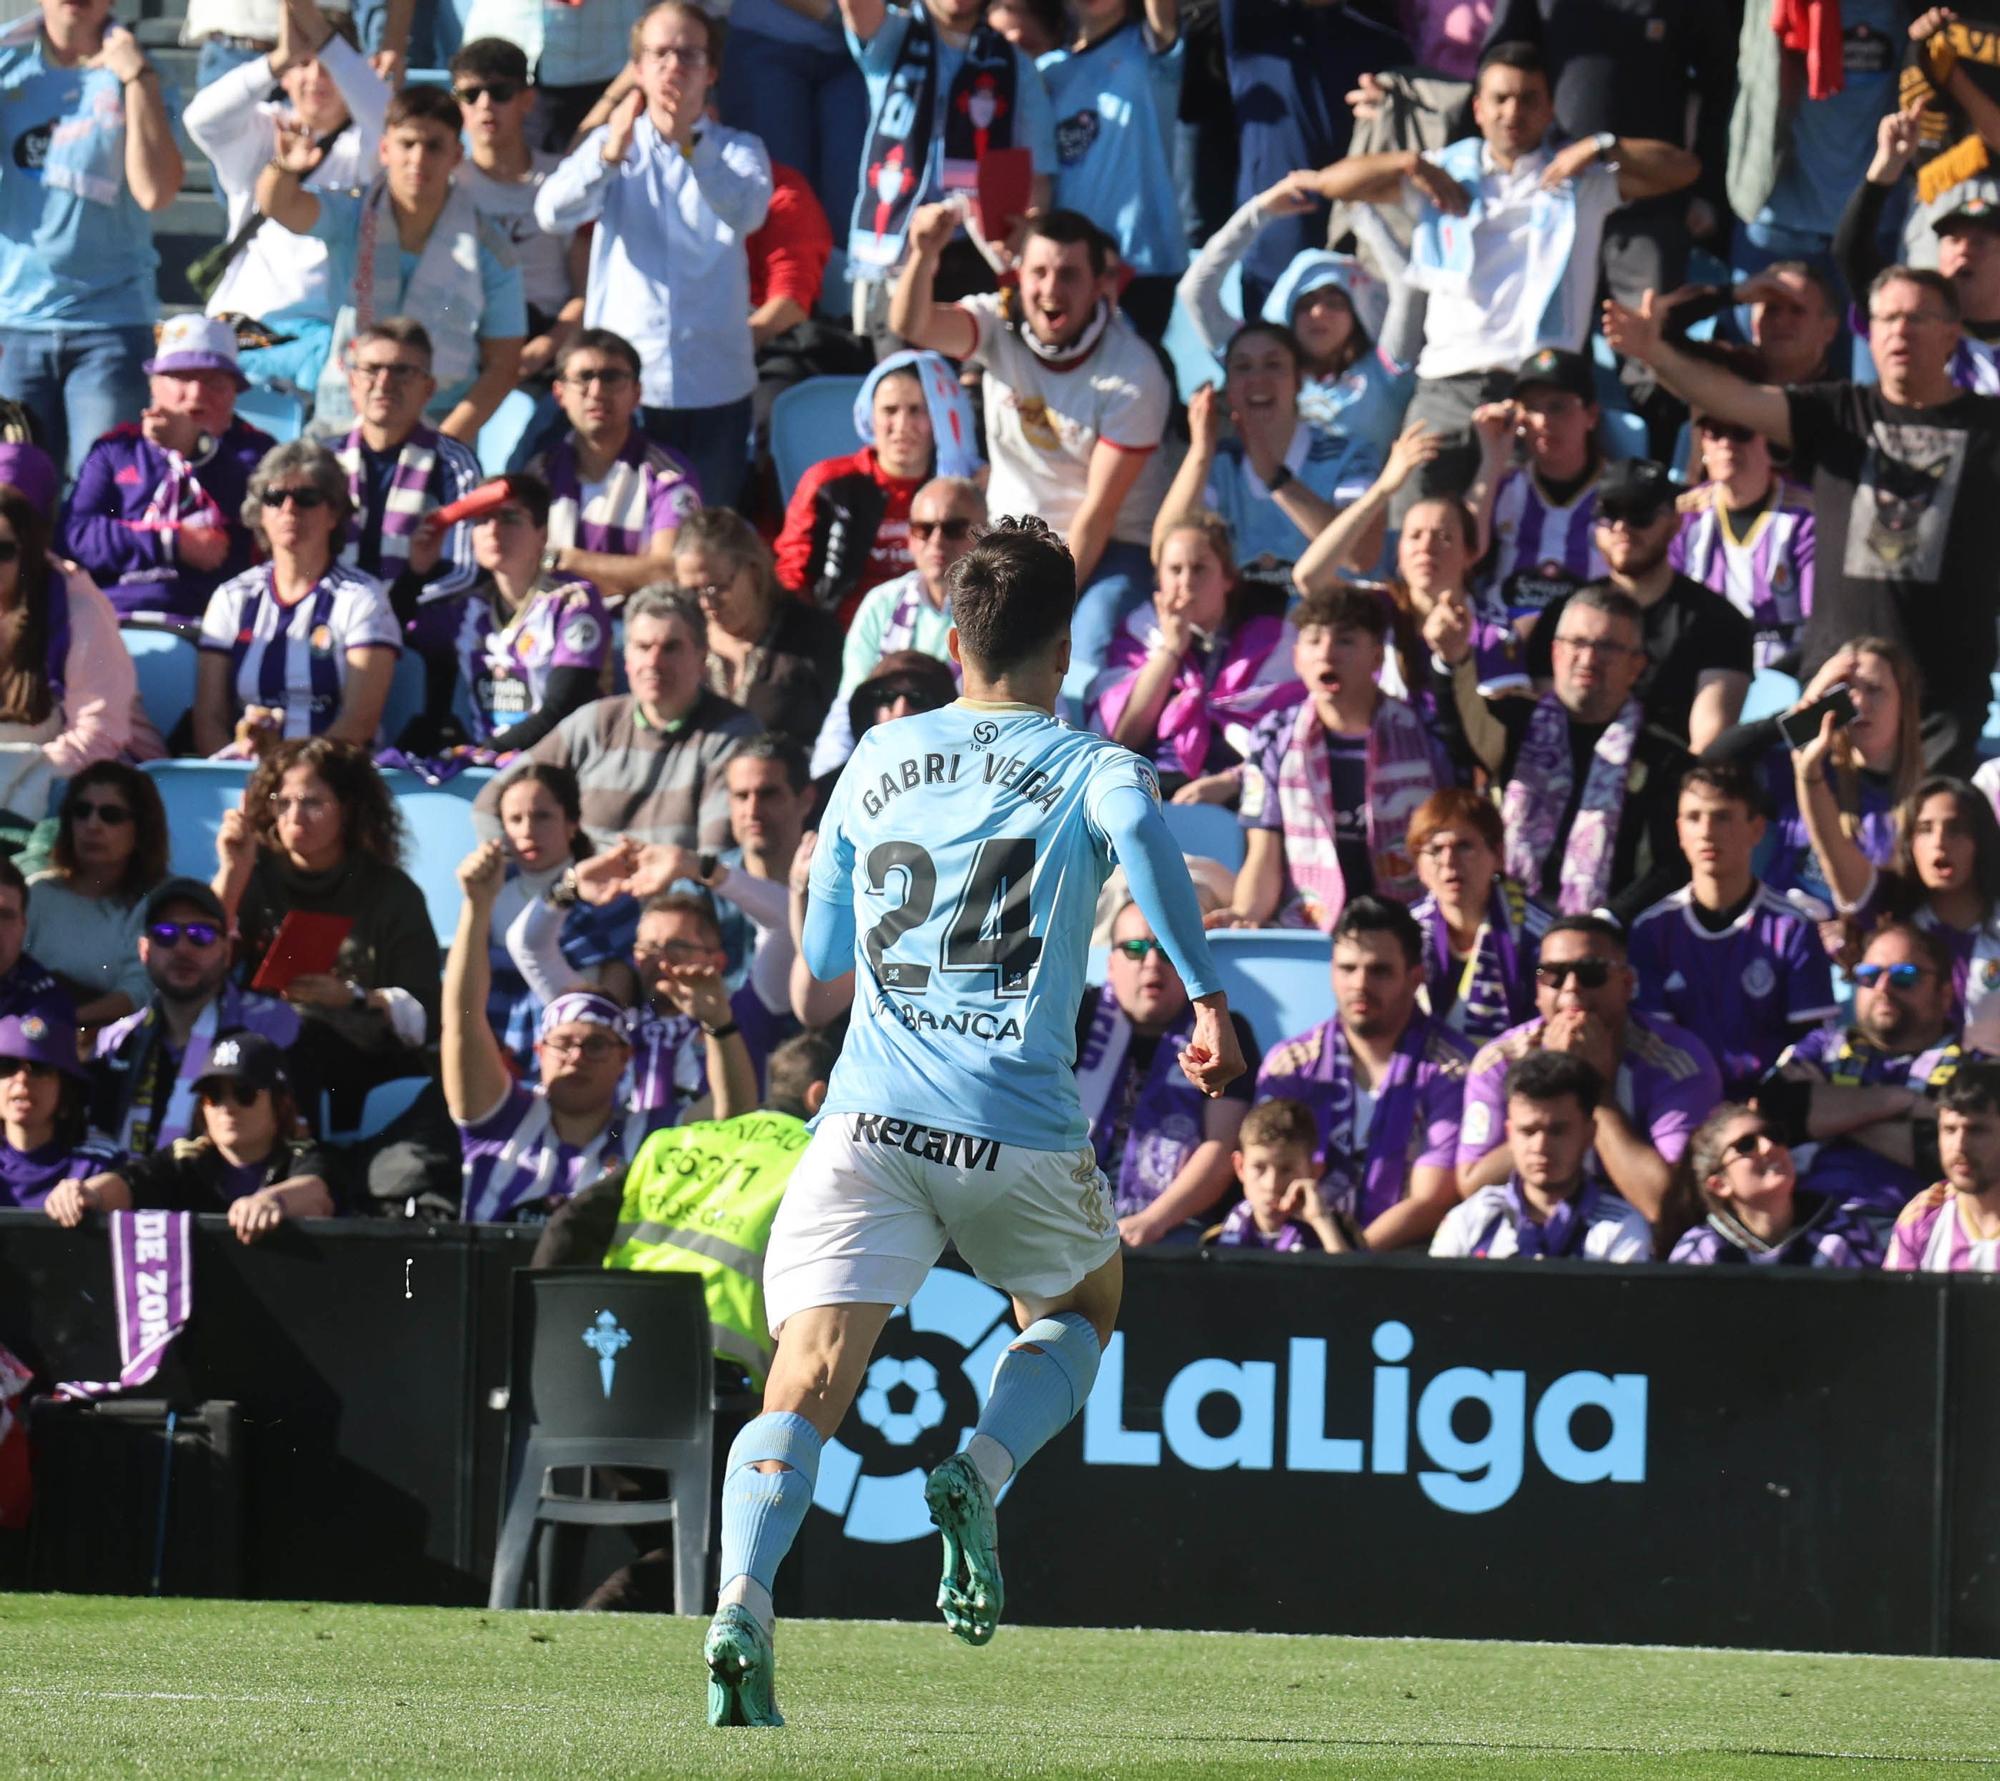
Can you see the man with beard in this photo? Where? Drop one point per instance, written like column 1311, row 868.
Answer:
column 1076, row 405
column 1384, row 1082
column 1576, row 762
column 1859, row 1108
column 1699, row 648
column 145, row 1067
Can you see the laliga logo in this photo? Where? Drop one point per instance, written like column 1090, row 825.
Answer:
column 923, row 1393
column 1469, row 1474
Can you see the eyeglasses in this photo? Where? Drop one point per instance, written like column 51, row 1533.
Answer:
column 609, row 379
column 10, row 550
column 1729, row 430
column 1750, row 1144
column 239, row 1094
column 689, row 55
column 88, row 809
column 1137, row 949
column 306, row 807
column 1913, row 318
column 1903, row 976
column 1589, row 973
column 196, row 933
column 595, row 1049
column 501, row 92
column 304, row 498
column 389, row 374
column 951, row 529
column 36, row 1072
column 1595, row 646
column 1438, row 852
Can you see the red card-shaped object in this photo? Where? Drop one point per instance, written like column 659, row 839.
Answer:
column 305, row 945
column 1006, row 185
column 484, row 499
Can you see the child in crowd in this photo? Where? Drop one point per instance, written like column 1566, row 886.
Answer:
column 1281, row 1207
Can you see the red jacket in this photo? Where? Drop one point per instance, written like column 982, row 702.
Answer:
column 819, row 556
column 788, row 255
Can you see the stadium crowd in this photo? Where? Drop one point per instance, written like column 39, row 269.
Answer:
column 1575, row 573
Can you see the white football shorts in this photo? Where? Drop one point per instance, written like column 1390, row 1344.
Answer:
column 873, row 1201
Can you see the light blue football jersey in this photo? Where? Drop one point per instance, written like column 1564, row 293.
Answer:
column 967, row 841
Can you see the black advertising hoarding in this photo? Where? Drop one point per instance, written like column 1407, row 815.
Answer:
column 1544, row 1451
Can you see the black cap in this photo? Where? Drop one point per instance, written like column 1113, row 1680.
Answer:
column 248, row 1058
column 1634, row 488
column 1973, row 201
column 1560, row 370
column 186, row 890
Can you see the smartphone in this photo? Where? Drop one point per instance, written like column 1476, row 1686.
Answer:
column 1801, row 726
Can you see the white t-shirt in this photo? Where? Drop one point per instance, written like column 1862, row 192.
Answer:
column 508, row 208
column 1617, row 1232
column 1486, row 324
column 1042, row 424
column 357, row 616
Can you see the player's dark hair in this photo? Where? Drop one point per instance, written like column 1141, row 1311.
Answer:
column 1973, row 1088
column 1071, row 228
column 677, row 902
column 1544, row 1076
column 1343, row 607
column 1727, row 780
column 1601, row 925
column 1270, row 1124
column 793, row 1067
column 1013, row 592
column 1378, row 915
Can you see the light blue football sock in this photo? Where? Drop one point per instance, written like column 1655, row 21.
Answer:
column 763, row 1511
column 1042, row 1380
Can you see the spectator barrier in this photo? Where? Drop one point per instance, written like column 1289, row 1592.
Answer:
column 1380, row 1445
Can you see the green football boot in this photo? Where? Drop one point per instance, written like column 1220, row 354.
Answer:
column 741, row 1670
column 962, row 1507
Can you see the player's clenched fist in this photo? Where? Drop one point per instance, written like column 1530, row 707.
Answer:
column 1212, row 1059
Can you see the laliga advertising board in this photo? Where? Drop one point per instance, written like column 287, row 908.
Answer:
column 1308, row 1446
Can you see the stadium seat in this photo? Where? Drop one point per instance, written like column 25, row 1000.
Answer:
column 1277, row 979
column 438, row 822
column 406, row 696
column 810, row 421
column 386, row 1103
column 1623, row 434
column 1206, row 830
column 507, row 440
column 1770, row 693
column 282, row 416
column 611, row 1367
column 164, row 661
column 196, row 793
column 427, row 77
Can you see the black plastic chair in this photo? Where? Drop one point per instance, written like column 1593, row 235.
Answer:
column 610, row 1368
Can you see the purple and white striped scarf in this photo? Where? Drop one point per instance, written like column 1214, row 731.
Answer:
column 152, row 1279
column 1560, row 1234
column 410, row 494
column 1241, row 1231
column 1491, row 990
column 1538, row 794
column 1166, row 1110
column 1366, row 1184
column 1402, row 773
column 618, row 518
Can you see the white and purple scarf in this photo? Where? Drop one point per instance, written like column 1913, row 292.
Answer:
column 1539, row 793
column 1402, row 773
column 1493, row 992
column 152, row 1279
column 410, row 496
column 1163, row 1114
column 1366, row 1183
column 1562, row 1233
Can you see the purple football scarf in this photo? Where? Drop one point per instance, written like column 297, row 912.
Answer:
column 152, row 1279
column 1538, row 794
column 410, row 495
column 1490, row 982
column 1385, row 1167
column 1166, row 1110
column 1561, row 1235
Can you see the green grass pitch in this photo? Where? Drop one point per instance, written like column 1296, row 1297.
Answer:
column 98, row 1686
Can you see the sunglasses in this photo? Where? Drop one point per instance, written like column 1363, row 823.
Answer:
column 1635, row 519
column 1137, row 949
column 1905, row 976
column 953, row 529
column 36, row 1072
column 501, row 92
column 1589, row 973
column 84, row 809
column 197, row 933
column 607, row 379
column 1750, row 1144
column 1712, row 429
column 222, row 1094
column 304, row 499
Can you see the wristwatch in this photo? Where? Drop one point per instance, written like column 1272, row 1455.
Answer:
column 563, row 893
column 1607, row 142
column 551, row 559
column 1281, row 478
column 722, row 1032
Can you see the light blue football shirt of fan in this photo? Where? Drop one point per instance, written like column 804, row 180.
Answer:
column 970, row 843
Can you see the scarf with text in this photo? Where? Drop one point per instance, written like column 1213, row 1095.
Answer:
column 152, row 1280
column 1539, row 793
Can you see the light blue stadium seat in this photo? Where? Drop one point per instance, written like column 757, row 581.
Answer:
column 1770, row 693
column 1207, row 831
column 810, row 421
column 165, row 663
column 281, row 415
column 384, row 1104
column 406, row 696
column 427, row 77
column 438, row 823
column 1623, row 434
column 196, row 793
column 507, row 440
column 1278, row 979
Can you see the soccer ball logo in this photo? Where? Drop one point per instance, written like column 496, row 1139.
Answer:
column 919, row 1401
